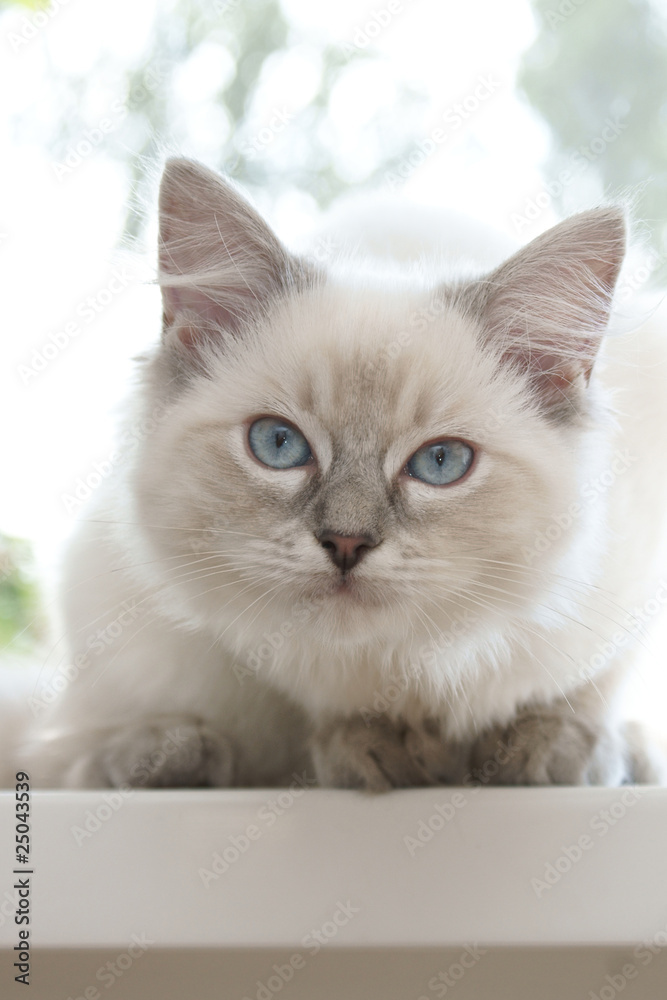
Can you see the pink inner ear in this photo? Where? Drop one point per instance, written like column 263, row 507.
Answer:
column 218, row 260
column 195, row 302
column 549, row 365
column 552, row 374
column 189, row 336
column 548, row 306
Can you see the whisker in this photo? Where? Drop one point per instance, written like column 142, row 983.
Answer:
column 519, row 623
column 523, row 626
column 178, row 578
column 150, row 621
column 600, row 593
column 174, row 527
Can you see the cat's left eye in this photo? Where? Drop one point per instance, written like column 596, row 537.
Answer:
column 278, row 444
column 441, row 462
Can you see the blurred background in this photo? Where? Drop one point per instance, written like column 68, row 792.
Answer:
column 514, row 113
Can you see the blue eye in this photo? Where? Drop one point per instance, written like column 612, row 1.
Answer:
column 442, row 462
column 277, row 444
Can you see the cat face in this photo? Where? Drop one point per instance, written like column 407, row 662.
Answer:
column 358, row 461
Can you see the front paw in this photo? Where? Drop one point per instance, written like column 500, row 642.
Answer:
column 548, row 747
column 166, row 753
column 376, row 755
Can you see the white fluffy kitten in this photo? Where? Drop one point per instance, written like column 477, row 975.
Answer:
column 386, row 525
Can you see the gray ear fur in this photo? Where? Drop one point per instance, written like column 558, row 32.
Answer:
column 219, row 262
column 548, row 306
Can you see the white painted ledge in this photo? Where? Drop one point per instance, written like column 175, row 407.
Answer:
column 310, row 862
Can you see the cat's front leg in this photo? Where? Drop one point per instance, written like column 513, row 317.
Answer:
column 382, row 753
column 163, row 752
column 550, row 745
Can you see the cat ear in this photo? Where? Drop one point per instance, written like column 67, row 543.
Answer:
column 548, row 306
column 219, row 262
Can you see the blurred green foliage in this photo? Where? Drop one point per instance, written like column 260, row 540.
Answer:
column 21, row 620
column 245, row 42
column 29, row 4
column 597, row 73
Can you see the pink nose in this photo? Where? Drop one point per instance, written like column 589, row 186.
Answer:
column 345, row 550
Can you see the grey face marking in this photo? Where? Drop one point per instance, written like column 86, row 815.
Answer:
column 350, row 502
column 351, row 498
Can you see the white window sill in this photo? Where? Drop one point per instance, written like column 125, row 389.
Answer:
column 469, row 888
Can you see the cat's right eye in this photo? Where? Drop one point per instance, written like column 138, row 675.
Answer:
column 441, row 463
column 278, row 444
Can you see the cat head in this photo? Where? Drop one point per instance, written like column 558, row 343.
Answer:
column 363, row 462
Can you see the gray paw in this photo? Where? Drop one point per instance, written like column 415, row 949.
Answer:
column 445, row 761
column 548, row 747
column 376, row 755
column 173, row 753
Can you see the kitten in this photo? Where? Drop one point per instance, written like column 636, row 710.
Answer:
column 379, row 524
